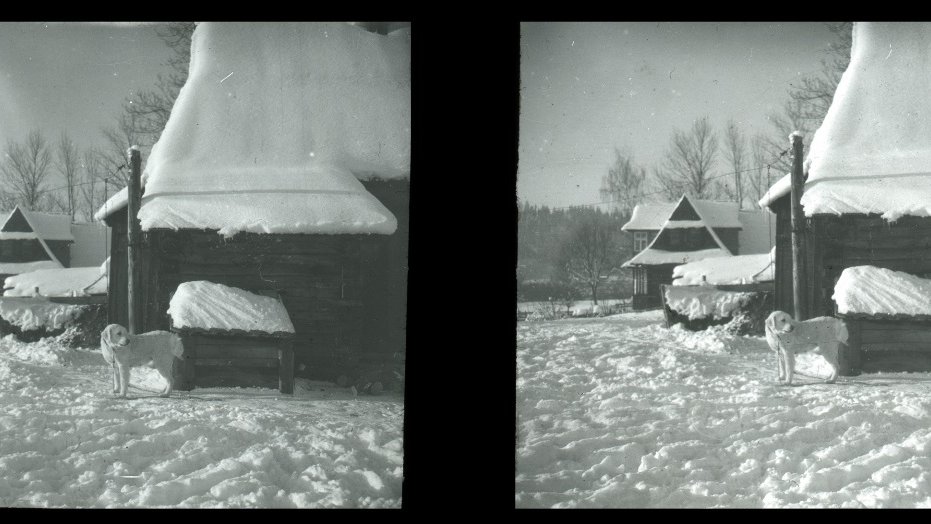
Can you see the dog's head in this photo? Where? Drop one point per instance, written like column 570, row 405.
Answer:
column 779, row 322
column 114, row 336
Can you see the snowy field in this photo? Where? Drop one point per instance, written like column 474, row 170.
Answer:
column 622, row 412
column 66, row 442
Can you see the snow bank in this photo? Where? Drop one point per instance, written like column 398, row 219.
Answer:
column 68, row 443
column 872, row 290
column 742, row 269
column 30, row 314
column 652, row 256
column 206, row 305
column 704, row 302
column 64, row 282
column 276, row 124
column 620, row 412
column 871, row 153
column 15, row 268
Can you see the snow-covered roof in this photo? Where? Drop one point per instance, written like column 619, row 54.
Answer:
column 276, row 125
column 118, row 201
column 869, row 290
column 758, row 234
column 653, row 257
column 652, row 216
column 741, row 269
column 649, row 216
column 47, row 226
column 15, row 268
column 782, row 187
column 61, row 282
column 210, row 306
column 872, row 153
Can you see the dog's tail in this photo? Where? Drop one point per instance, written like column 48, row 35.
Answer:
column 841, row 331
column 177, row 348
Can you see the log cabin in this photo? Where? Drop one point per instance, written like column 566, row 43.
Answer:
column 666, row 235
column 271, row 188
column 867, row 202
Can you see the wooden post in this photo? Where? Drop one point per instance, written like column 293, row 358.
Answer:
column 132, row 278
column 798, row 230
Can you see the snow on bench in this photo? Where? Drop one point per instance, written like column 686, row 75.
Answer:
column 741, row 269
column 869, row 290
column 203, row 305
column 36, row 313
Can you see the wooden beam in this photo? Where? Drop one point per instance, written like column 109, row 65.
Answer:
column 286, row 367
column 798, row 230
column 133, row 291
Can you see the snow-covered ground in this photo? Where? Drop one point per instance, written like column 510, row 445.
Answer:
column 622, row 412
column 65, row 441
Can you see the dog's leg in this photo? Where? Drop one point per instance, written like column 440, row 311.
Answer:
column 830, row 355
column 124, row 380
column 116, row 378
column 790, row 365
column 780, row 365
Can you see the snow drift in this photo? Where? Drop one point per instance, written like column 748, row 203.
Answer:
column 741, row 269
column 63, row 282
column 207, row 305
column 878, row 291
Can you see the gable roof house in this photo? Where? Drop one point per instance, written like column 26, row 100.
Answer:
column 289, row 179
column 867, row 203
column 30, row 241
column 666, row 235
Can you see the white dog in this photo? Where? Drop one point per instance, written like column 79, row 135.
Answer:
column 122, row 351
column 787, row 337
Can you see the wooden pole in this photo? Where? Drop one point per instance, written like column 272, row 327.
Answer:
column 133, row 232
column 798, row 230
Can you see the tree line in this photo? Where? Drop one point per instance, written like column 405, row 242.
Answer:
column 569, row 253
column 730, row 165
column 28, row 167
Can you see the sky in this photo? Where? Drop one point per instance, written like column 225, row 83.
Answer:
column 589, row 87
column 73, row 77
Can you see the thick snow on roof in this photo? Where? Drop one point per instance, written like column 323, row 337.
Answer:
column 15, row 268
column 742, row 269
column 48, row 226
column 652, row 257
column 878, row 291
column 759, row 232
column 207, row 305
column 782, row 187
column 872, row 154
column 276, row 124
column 649, row 216
column 118, row 201
column 653, row 216
column 707, row 302
column 62, row 282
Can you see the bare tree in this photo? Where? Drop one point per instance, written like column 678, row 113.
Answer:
column 118, row 139
column 591, row 253
column 762, row 177
column 92, row 183
column 687, row 165
column 735, row 150
column 623, row 183
column 25, row 169
column 149, row 110
column 67, row 163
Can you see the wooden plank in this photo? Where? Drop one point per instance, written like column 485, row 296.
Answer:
column 238, row 362
column 206, row 351
column 881, row 347
column 897, row 361
column 912, row 336
column 286, row 368
column 93, row 299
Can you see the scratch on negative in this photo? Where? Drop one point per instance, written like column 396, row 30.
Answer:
column 227, row 76
column 887, row 56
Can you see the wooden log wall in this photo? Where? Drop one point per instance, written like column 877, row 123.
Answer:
column 319, row 278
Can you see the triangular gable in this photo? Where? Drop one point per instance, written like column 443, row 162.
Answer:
column 16, row 223
column 684, row 216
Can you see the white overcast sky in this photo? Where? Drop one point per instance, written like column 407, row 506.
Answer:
column 588, row 87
